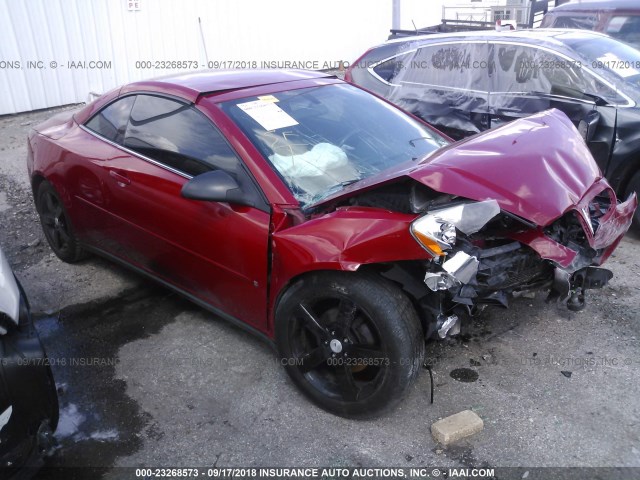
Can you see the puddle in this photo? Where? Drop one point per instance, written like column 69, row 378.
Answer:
column 465, row 375
column 98, row 421
column 70, row 422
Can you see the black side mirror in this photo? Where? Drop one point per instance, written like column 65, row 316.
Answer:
column 215, row 186
column 587, row 126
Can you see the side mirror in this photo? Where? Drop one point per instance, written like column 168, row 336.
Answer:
column 215, row 186
column 587, row 126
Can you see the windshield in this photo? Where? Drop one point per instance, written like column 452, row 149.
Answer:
column 615, row 61
column 322, row 139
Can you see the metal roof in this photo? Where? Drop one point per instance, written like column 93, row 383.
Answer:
column 191, row 85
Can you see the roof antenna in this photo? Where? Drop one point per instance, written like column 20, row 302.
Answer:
column 414, row 26
column 204, row 45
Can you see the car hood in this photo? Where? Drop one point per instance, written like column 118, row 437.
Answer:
column 537, row 168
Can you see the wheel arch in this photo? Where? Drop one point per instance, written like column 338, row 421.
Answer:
column 401, row 274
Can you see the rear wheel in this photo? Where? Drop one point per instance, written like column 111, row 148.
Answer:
column 352, row 343
column 56, row 225
column 634, row 186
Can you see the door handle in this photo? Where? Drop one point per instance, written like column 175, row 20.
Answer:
column 120, row 178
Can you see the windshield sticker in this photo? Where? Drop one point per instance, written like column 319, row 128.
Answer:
column 267, row 114
column 616, row 65
column 268, row 98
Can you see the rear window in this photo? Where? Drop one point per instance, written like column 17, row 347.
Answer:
column 625, row 28
column 586, row 21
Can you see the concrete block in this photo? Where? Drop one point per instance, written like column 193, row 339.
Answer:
column 456, row 427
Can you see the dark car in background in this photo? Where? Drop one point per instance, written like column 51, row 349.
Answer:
column 465, row 83
column 618, row 18
column 28, row 396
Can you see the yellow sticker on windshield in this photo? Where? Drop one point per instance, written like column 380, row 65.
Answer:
column 268, row 98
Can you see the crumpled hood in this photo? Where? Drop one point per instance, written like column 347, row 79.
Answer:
column 536, row 167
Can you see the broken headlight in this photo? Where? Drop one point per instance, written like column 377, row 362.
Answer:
column 434, row 234
column 436, row 231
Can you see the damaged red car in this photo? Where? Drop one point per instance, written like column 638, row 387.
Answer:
column 342, row 229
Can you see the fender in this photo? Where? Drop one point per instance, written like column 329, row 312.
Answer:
column 343, row 240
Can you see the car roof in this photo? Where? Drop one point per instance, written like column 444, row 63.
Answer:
column 190, row 86
column 590, row 5
column 551, row 37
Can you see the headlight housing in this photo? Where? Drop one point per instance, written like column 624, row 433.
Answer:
column 436, row 231
column 434, row 234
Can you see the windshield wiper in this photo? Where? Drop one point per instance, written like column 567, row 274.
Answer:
column 412, row 142
column 334, row 189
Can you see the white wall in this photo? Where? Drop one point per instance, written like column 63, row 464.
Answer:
column 63, row 31
column 424, row 13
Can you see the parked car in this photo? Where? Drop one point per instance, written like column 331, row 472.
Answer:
column 322, row 217
column 467, row 83
column 617, row 18
column 28, row 397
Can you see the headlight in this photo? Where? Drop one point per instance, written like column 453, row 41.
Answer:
column 436, row 231
column 434, row 234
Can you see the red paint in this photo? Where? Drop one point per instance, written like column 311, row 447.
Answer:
column 239, row 259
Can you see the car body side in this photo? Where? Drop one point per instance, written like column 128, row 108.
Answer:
column 274, row 246
column 57, row 151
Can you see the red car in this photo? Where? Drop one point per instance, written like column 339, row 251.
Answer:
column 322, row 217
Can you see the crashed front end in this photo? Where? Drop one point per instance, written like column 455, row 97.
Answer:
column 528, row 210
column 485, row 256
column 513, row 210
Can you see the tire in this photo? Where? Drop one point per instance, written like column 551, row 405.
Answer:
column 634, row 186
column 351, row 342
column 56, row 225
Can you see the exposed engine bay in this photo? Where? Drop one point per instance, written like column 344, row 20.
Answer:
column 477, row 259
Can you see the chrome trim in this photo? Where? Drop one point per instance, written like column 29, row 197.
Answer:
column 630, row 102
column 135, row 154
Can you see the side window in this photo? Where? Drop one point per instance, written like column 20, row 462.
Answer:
column 530, row 70
column 459, row 66
column 178, row 136
column 111, row 121
column 391, row 68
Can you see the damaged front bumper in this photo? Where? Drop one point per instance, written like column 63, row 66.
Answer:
column 562, row 258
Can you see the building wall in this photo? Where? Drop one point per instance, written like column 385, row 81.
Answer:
column 43, row 43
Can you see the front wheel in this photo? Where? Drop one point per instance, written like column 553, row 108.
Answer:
column 352, row 343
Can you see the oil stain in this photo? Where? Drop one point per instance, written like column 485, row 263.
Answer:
column 465, row 375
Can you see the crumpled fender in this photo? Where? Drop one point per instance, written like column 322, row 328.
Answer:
column 344, row 240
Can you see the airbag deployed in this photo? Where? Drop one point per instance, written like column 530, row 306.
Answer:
column 317, row 170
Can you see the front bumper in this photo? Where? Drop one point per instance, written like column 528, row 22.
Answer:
column 598, row 242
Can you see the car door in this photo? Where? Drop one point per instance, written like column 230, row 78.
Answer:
column 215, row 252
column 530, row 79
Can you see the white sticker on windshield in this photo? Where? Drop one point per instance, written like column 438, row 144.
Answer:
column 621, row 67
column 269, row 115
